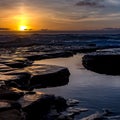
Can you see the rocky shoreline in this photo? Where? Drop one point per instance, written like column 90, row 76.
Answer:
column 104, row 62
column 19, row 75
column 17, row 104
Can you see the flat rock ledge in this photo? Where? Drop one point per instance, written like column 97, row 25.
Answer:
column 104, row 62
column 34, row 76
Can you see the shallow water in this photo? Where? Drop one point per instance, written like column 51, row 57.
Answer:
column 95, row 91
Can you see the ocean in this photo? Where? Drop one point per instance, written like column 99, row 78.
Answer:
column 94, row 91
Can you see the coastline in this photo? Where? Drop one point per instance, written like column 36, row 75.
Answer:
column 18, row 56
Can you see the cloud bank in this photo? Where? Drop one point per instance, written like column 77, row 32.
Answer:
column 64, row 12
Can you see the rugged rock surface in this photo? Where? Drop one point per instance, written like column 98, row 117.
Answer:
column 40, row 105
column 95, row 116
column 15, row 61
column 36, row 75
column 25, row 105
column 47, row 75
column 10, row 94
column 12, row 114
column 48, row 55
column 103, row 62
column 99, row 116
column 17, row 70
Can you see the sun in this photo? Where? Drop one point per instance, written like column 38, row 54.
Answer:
column 23, row 28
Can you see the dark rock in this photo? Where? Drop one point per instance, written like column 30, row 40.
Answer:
column 40, row 56
column 60, row 104
column 15, row 105
column 72, row 102
column 103, row 62
column 37, row 105
column 21, row 79
column 76, row 110
column 53, row 114
column 14, row 77
column 6, row 78
column 10, row 94
column 41, row 106
column 9, row 105
column 64, row 117
column 4, row 105
column 70, row 113
column 37, row 101
column 2, row 83
column 95, row 116
column 5, row 68
column 3, row 73
column 11, row 115
column 18, row 62
column 117, row 117
column 48, row 76
column 107, row 112
column 87, row 49
column 36, row 75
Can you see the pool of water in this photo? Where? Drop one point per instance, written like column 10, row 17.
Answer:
column 95, row 91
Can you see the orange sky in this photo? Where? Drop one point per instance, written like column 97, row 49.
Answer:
column 59, row 15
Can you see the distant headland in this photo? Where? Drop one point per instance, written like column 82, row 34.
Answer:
column 4, row 29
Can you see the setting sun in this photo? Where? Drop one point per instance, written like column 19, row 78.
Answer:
column 22, row 28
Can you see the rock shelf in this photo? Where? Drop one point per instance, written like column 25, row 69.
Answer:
column 103, row 62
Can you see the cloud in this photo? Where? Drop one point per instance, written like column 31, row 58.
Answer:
column 90, row 3
column 10, row 4
column 61, row 11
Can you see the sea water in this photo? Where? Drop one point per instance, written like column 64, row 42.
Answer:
column 94, row 91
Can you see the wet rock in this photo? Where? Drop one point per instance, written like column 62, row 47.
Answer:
column 28, row 100
column 64, row 117
column 107, row 112
column 53, row 114
column 114, row 117
column 47, row 75
column 60, row 104
column 8, row 105
column 40, row 56
column 82, row 49
column 6, row 78
column 10, row 94
column 18, row 62
column 11, row 115
column 4, row 105
column 21, row 79
column 95, row 116
column 71, row 112
column 2, row 83
column 103, row 62
column 5, row 68
column 76, row 110
column 15, row 61
column 34, row 76
column 38, row 105
column 99, row 115
column 72, row 102
column 13, row 77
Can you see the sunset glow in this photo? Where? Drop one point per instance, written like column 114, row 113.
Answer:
column 23, row 28
column 60, row 15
